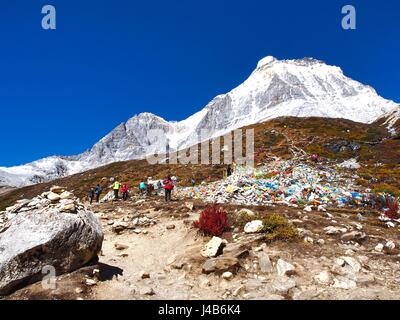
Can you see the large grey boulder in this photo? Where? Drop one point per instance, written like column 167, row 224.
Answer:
column 46, row 237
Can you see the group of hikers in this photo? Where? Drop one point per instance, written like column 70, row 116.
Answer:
column 145, row 188
column 95, row 192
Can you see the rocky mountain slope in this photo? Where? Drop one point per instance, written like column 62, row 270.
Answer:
column 300, row 88
column 335, row 139
column 152, row 251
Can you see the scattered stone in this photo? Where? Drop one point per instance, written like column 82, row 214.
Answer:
column 246, row 213
column 66, row 195
column 189, row 205
column 379, row 247
column 364, row 279
column 254, row 226
column 344, row 283
column 356, row 236
column 119, row 227
column 321, row 242
column 122, row 255
column 170, row 227
column 285, row 268
column 68, row 208
column 238, row 291
column 147, row 291
column 144, row 275
column 53, row 197
column 206, row 283
column 236, row 250
column 213, row 248
column 334, row 230
column 390, row 246
column 79, row 290
column 324, row 278
column 360, row 217
column 264, row 263
column 220, row 265
column 282, row 285
column 57, row 189
column 353, row 263
column 120, row 246
column 340, row 262
column 96, row 273
column 91, row 282
column 227, row 275
column 308, row 209
column 309, row 240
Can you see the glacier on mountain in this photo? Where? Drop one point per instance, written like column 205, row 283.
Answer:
column 300, row 88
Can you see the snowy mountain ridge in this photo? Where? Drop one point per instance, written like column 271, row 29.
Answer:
column 300, row 88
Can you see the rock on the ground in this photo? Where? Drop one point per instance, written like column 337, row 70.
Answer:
column 264, row 262
column 389, row 247
column 324, row 278
column 344, row 283
column 213, row 248
column 282, row 285
column 66, row 195
column 356, row 236
column 285, row 268
column 379, row 247
column 334, row 230
column 119, row 226
column 308, row 209
column 189, row 205
column 144, row 275
column 246, row 213
column 353, row 263
column 236, row 250
column 120, row 246
column 46, row 237
column 57, row 189
column 220, row 265
column 227, row 275
column 54, row 197
column 254, row 226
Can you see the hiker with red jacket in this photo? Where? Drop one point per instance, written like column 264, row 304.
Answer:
column 125, row 191
column 168, row 186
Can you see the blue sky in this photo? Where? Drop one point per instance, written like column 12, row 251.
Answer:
column 62, row 90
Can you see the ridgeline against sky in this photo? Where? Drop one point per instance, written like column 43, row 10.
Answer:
column 61, row 90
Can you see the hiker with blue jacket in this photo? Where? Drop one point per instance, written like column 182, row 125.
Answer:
column 98, row 192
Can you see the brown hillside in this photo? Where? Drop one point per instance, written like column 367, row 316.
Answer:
column 335, row 139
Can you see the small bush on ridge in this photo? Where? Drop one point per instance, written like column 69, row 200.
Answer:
column 392, row 206
column 213, row 221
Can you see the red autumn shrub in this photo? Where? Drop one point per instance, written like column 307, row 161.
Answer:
column 392, row 205
column 213, row 221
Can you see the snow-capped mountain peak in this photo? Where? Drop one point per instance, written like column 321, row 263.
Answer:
column 302, row 88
